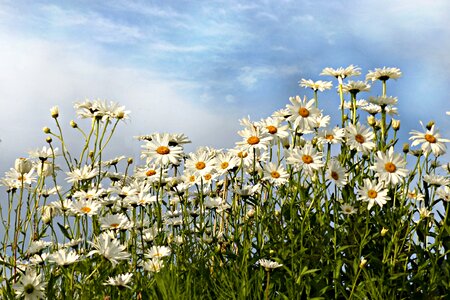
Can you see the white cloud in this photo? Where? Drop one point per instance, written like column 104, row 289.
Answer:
column 251, row 75
column 33, row 81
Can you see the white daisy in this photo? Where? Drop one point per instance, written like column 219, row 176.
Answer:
column 154, row 265
column 390, row 167
column 109, row 248
column 268, row 264
column 373, row 192
column 360, row 137
column 383, row 74
column 347, row 209
column 254, row 139
column 307, row 159
column 31, row 286
column 331, row 136
column 303, row 113
column 383, row 100
column 316, row 85
column 158, row 252
column 430, row 141
column 354, row 87
column 116, row 221
column 444, row 193
column 121, row 280
column 226, row 162
column 85, row 173
column 63, row 257
column 161, row 151
column 342, row 73
column 336, row 173
column 275, row 175
column 85, row 207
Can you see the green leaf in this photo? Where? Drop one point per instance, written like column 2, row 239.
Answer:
column 65, row 232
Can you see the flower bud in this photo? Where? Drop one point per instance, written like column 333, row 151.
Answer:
column 430, row 124
column 363, row 263
column 130, row 160
column 384, row 231
column 395, row 124
column 48, row 139
column 73, row 124
column 371, row 120
column 45, row 169
column 47, row 214
column 405, row 148
column 54, row 111
column 46, row 130
column 23, row 165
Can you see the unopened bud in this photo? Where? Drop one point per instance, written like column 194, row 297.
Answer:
column 371, row 120
column 384, row 231
column 405, row 148
column 91, row 154
column 54, row 111
column 73, row 124
column 251, row 213
column 363, row 263
column 345, row 118
column 130, row 160
column 48, row 139
column 46, row 130
column 430, row 125
column 395, row 124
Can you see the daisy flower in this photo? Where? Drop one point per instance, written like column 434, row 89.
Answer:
column 85, row 207
column 154, row 265
column 44, row 153
column 383, row 74
column 161, row 151
column 254, row 139
column 275, row 175
column 200, row 163
column 374, row 193
column 336, row 173
column 359, row 104
column 433, row 179
column 23, row 165
column 303, row 113
column 430, row 141
column 109, row 248
column 342, row 73
column 354, row 87
column 274, row 127
column 226, row 162
column 142, row 199
column 383, row 100
column 444, row 193
column 121, row 280
column 268, row 264
column 63, row 257
column 360, row 137
column 21, row 178
column 85, row 173
column 331, row 136
column 151, row 173
column 348, row 209
column 307, row 159
column 117, row 221
column 390, row 167
column 316, row 85
column 30, row 286
column 158, row 252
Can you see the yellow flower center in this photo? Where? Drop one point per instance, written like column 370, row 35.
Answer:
column 390, row 167
column 302, row 111
column 275, row 174
column 207, row 176
column 150, row 173
column 86, row 209
column 242, row 154
column 163, row 150
column 224, row 165
column 430, row 138
column 359, row 138
column 253, row 140
column 372, row 194
column 329, row 137
column 200, row 165
column 307, row 159
column 192, row 178
column 272, row 129
column 334, row 175
column 114, row 225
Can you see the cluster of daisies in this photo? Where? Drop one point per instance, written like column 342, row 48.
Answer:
column 137, row 218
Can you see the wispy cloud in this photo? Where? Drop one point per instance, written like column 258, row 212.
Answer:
column 250, row 76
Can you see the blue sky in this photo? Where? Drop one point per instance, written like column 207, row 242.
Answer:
column 198, row 66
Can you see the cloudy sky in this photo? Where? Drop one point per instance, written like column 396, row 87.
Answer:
column 198, row 66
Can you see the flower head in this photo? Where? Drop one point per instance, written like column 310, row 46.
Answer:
column 316, row 85
column 109, row 248
column 430, row 141
column 390, row 167
column 373, row 193
column 30, row 286
column 384, row 74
